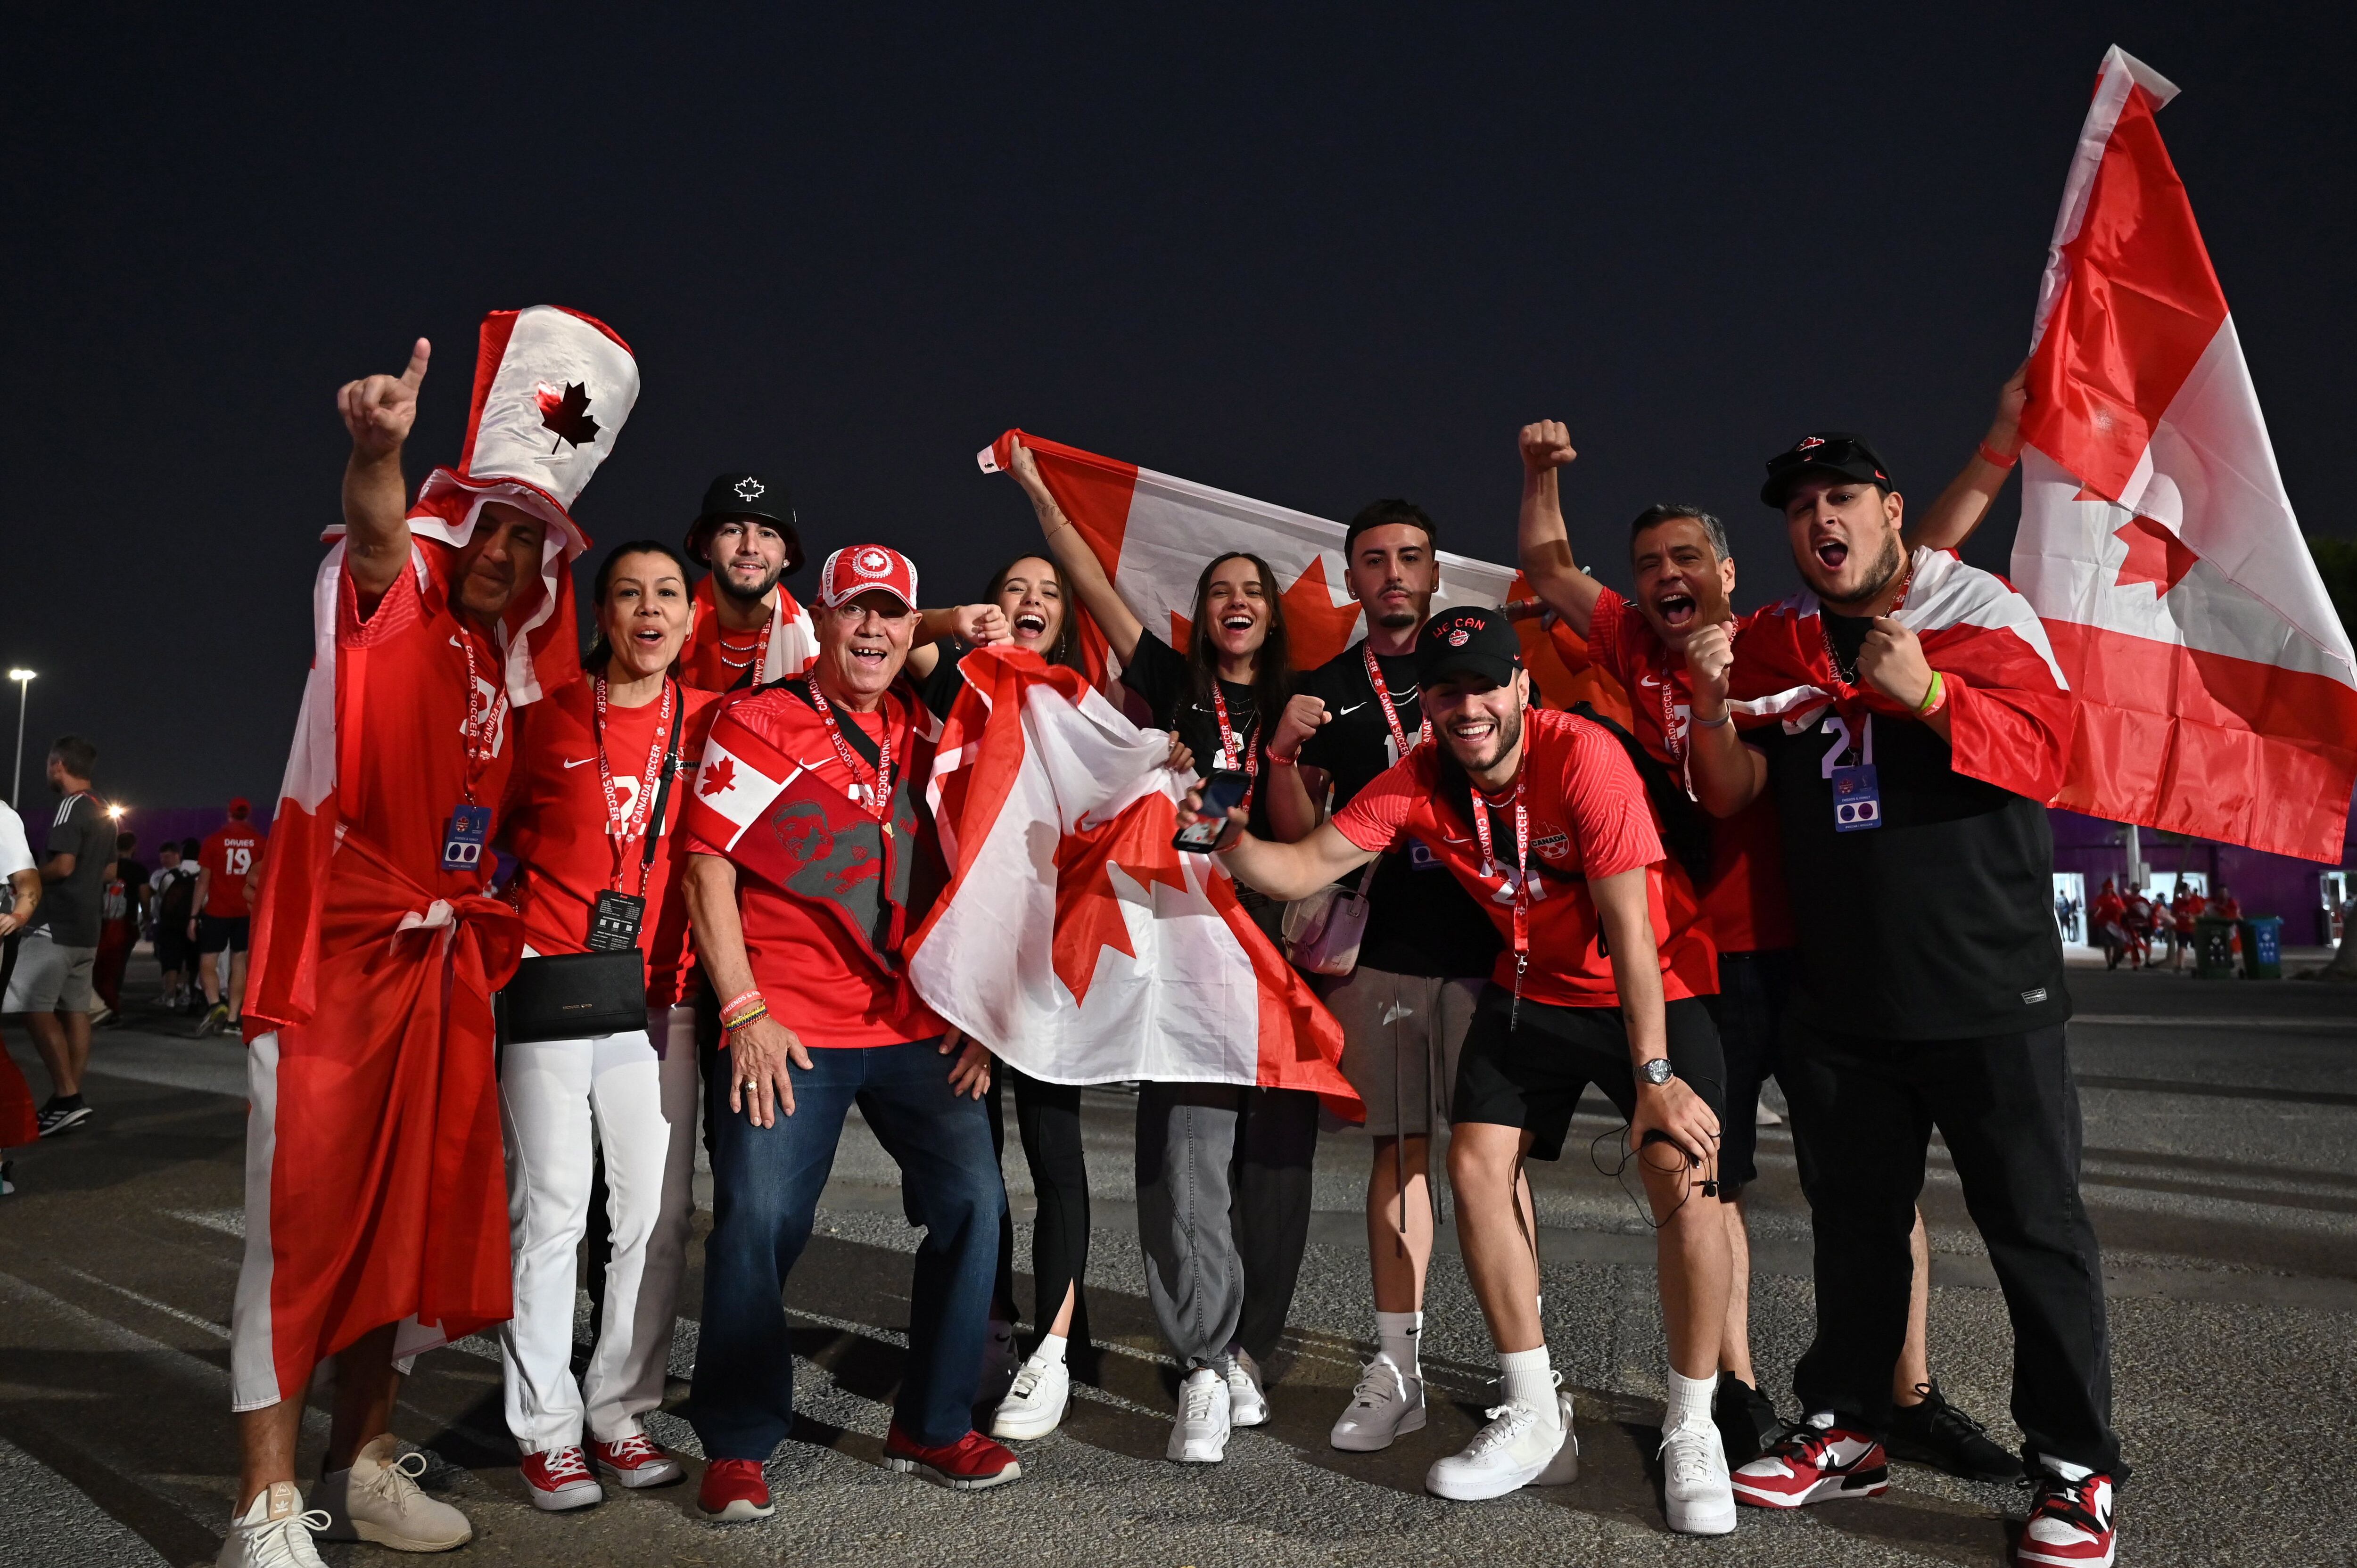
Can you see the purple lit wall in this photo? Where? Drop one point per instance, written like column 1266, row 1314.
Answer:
column 2266, row 883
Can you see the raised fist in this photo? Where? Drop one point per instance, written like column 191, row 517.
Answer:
column 1710, row 656
column 379, row 409
column 1304, row 716
column 1891, row 660
column 1546, row 444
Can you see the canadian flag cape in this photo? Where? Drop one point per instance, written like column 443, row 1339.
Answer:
column 1056, row 815
column 2216, row 691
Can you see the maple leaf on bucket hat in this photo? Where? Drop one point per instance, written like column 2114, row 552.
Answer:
column 743, row 495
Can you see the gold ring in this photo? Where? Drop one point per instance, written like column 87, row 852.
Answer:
column 750, row 1084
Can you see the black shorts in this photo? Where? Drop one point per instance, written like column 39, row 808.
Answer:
column 220, row 933
column 173, row 948
column 1533, row 1075
column 1752, row 987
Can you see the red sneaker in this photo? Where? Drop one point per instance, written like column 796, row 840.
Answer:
column 2069, row 1524
column 969, row 1464
column 560, row 1479
column 734, row 1489
column 1811, row 1464
column 635, row 1462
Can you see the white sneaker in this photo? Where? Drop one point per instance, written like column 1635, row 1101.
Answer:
column 1504, row 1456
column 377, row 1500
column 273, row 1533
column 1564, row 1468
column 1386, row 1404
column 1199, row 1434
column 1247, row 1402
column 1034, row 1407
column 1697, row 1492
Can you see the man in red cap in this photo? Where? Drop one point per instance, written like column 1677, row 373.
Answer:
column 220, row 925
column 812, row 859
column 376, row 1205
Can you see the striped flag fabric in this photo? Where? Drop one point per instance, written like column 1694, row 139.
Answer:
column 1056, row 815
column 2216, row 689
column 742, row 774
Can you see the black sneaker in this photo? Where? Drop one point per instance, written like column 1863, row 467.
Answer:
column 1937, row 1434
column 1746, row 1420
column 57, row 1117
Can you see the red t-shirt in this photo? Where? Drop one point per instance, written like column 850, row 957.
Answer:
column 230, row 852
column 2188, row 909
column 407, row 764
column 715, row 659
column 1588, row 818
column 1745, row 901
column 816, row 977
column 556, row 824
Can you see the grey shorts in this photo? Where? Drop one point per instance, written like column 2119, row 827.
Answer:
column 51, row 978
column 1401, row 1036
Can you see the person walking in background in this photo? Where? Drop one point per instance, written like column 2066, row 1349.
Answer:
column 171, row 903
column 2184, row 908
column 122, row 912
column 2106, row 915
column 50, row 992
column 220, row 927
column 19, row 1123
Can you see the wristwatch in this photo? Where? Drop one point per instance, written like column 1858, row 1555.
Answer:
column 1658, row 1071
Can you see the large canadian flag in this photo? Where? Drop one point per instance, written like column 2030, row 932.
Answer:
column 1056, row 815
column 1154, row 533
column 2217, row 694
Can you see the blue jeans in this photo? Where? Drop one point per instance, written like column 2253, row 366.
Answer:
column 764, row 1188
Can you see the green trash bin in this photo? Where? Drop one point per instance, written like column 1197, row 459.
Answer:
column 2262, row 948
column 2213, row 948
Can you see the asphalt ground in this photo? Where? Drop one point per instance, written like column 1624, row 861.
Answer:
column 2221, row 1127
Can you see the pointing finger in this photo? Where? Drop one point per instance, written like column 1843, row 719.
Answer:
column 418, row 355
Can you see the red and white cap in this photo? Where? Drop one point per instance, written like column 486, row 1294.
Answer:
column 867, row 568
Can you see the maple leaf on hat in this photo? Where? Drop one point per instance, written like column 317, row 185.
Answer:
column 567, row 414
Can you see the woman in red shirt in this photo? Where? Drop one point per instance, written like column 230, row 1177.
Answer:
column 589, row 788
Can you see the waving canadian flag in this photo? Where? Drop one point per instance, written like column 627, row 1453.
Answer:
column 2217, row 692
column 1056, row 815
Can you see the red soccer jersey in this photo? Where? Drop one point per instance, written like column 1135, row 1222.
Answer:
column 1588, row 818
column 230, row 852
column 1745, row 901
column 568, row 850
column 828, row 868
column 716, row 658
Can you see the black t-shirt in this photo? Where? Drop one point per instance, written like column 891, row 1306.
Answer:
column 1933, row 926
column 939, row 691
column 1158, row 673
column 1420, row 919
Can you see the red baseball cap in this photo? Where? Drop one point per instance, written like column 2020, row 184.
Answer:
column 239, row 806
column 859, row 569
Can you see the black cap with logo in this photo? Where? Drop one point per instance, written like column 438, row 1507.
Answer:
column 733, row 495
column 1823, row 451
column 1468, row 640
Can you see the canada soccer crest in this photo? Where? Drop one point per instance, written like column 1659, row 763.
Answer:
column 1809, row 442
column 1459, row 637
column 874, row 563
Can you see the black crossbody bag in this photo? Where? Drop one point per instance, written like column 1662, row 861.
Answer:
column 577, row 995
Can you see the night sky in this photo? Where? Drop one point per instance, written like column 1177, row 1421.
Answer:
column 1317, row 261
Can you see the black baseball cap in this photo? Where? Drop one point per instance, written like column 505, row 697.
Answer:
column 1468, row 640
column 1827, row 451
column 733, row 495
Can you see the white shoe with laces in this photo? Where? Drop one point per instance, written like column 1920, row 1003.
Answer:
column 1697, row 1492
column 1199, row 1434
column 1034, row 1407
column 1514, row 1450
column 1386, row 1404
column 378, row 1500
column 275, row 1532
column 1248, row 1401
column 1564, row 1468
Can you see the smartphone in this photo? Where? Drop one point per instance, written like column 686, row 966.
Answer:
column 1222, row 793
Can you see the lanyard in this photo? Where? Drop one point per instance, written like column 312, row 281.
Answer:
column 1229, row 745
column 645, row 802
column 1670, row 736
column 879, row 799
column 1824, row 634
column 1521, row 877
column 1390, row 715
column 482, row 731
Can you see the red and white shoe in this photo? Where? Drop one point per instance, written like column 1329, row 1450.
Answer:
column 560, row 1479
column 2069, row 1524
column 734, row 1489
column 1811, row 1464
column 969, row 1464
column 635, row 1462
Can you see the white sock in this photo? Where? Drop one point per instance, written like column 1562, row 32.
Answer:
column 1399, row 1334
column 1050, row 1352
column 1529, row 1380
column 1689, row 1401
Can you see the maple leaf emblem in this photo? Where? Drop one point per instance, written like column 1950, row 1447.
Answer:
column 749, row 489
column 720, row 777
column 2156, row 555
column 1088, row 901
column 567, row 414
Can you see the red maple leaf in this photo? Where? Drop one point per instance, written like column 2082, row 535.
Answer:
column 567, row 414
column 1088, row 906
column 720, row 777
column 2155, row 555
column 1317, row 627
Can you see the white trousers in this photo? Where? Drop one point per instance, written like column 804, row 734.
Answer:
column 554, row 1096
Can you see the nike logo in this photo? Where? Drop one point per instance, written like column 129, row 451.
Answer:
column 584, row 762
column 1345, row 712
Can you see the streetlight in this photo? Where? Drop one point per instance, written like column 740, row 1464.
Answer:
column 24, row 679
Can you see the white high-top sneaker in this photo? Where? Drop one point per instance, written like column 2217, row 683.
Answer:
column 1199, row 1434
column 1506, row 1456
column 377, row 1500
column 1034, row 1407
column 275, row 1532
column 1386, row 1404
column 1697, row 1492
